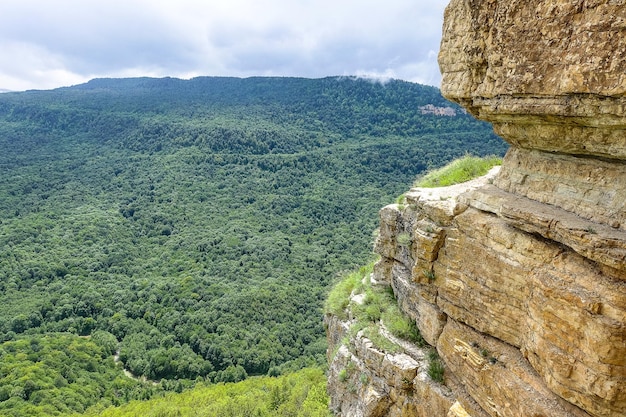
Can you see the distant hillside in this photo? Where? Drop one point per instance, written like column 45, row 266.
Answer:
column 131, row 112
column 198, row 224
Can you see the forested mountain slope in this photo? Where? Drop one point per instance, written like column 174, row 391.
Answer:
column 198, row 223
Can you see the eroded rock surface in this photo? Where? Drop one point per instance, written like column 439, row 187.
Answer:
column 549, row 75
column 520, row 282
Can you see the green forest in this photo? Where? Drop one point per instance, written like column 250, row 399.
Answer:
column 188, row 231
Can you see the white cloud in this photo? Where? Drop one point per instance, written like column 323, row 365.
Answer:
column 30, row 66
column 45, row 44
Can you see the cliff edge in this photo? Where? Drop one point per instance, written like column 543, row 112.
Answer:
column 517, row 286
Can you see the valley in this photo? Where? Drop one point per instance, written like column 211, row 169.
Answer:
column 195, row 226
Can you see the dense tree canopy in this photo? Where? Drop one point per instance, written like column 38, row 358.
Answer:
column 200, row 223
column 49, row 374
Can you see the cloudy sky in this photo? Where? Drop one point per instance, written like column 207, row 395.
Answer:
column 52, row 43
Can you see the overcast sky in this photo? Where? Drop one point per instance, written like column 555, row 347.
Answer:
column 51, row 43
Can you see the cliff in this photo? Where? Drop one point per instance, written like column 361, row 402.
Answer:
column 517, row 282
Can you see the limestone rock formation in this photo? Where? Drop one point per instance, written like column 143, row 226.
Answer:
column 549, row 75
column 519, row 282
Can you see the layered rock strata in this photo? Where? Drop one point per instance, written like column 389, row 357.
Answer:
column 519, row 283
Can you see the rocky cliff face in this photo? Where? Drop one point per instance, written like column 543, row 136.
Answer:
column 520, row 283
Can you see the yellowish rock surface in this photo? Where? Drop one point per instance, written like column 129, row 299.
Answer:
column 518, row 281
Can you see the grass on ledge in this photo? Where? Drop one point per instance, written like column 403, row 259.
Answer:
column 339, row 297
column 458, row 171
column 379, row 305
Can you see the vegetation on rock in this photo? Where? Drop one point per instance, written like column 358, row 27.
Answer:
column 458, row 171
column 369, row 307
column 435, row 366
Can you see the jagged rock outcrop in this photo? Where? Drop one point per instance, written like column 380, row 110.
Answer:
column 519, row 283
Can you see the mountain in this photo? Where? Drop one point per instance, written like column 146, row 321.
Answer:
column 195, row 226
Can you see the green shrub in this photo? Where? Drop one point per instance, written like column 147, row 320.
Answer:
column 363, row 379
column 401, row 326
column 357, row 326
column 429, row 274
column 403, row 239
column 458, row 171
column 339, row 297
column 372, row 312
column 372, row 332
column 343, row 375
column 435, row 367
